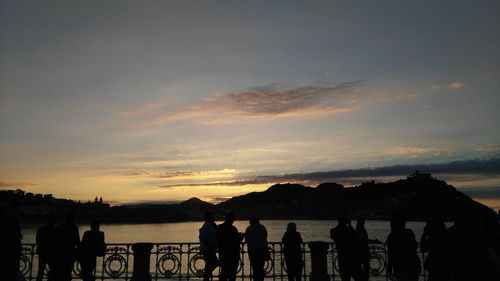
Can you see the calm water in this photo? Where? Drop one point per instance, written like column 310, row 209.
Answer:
column 188, row 231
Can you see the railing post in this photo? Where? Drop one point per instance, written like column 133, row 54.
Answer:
column 319, row 267
column 142, row 260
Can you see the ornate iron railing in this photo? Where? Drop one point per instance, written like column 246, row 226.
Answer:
column 183, row 261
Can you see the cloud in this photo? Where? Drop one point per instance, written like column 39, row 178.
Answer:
column 488, row 148
column 476, row 168
column 417, row 151
column 144, row 109
column 456, row 85
column 254, row 181
column 223, row 173
column 452, row 86
column 482, row 192
column 15, row 185
column 274, row 100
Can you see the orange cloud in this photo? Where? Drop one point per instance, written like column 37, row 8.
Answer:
column 453, row 86
column 144, row 109
column 275, row 100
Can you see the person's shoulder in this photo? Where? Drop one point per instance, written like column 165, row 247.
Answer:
column 389, row 236
column 335, row 230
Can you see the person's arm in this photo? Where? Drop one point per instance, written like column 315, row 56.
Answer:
column 423, row 241
column 389, row 254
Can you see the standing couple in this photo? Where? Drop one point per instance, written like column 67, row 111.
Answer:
column 226, row 239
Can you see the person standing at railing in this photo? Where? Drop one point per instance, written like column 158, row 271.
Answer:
column 229, row 240
column 292, row 249
column 364, row 250
column 44, row 247
column 10, row 246
column 435, row 241
column 208, row 245
column 347, row 246
column 65, row 249
column 91, row 247
column 402, row 260
column 258, row 252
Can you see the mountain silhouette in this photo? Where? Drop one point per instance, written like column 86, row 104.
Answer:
column 417, row 196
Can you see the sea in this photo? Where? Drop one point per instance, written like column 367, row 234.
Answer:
column 311, row 230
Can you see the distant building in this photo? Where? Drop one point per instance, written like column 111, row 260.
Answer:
column 420, row 176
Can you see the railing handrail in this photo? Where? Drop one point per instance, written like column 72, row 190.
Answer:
column 183, row 261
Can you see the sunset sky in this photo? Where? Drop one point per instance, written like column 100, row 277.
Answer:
column 165, row 100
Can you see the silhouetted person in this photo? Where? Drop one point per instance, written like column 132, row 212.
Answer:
column 10, row 246
column 229, row 247
column 402, row 259
column 346, row 243
column 364, row 250
column 91, row 247
column 292, row 249
column 434, row 241
column 67, row 240
column 45, row 247
column 490, row 231
column 469, row 255
column 208, row 245
column 258, row 252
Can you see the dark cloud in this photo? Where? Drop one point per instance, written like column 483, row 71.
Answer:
column 489, row 166
column 257, row 180
column 15, row 185
column 482, row 192
column 164, row 175
column 469, row 169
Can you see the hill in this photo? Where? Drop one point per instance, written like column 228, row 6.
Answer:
column 417, row 196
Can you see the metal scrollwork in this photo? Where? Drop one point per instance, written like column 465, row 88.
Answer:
column 377, row 261
column 25, row 264
column 336, row 263
column 115, row 265
column 168, row 265
column 194, row 266
column 77, row 269
column 268, row 266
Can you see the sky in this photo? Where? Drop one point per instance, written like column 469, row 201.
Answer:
column 166, row 100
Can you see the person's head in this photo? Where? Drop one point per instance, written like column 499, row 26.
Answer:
column 291, row 227
column 344, row 220
column 398, row 222
column 360, row 222
column 230, row 217
column 254, row 220
column 208, row 217
column 94, row 225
